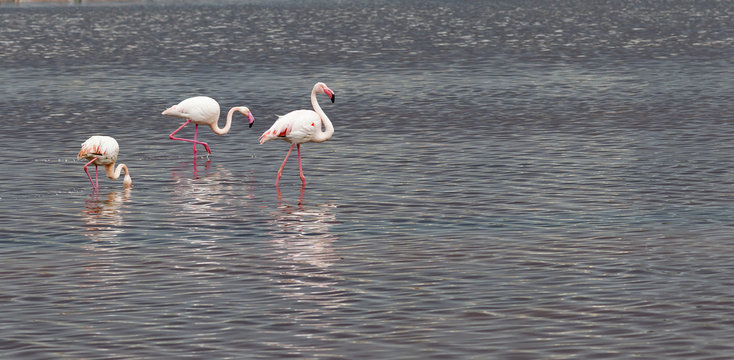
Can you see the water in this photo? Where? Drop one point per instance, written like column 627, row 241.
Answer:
column 510, row 179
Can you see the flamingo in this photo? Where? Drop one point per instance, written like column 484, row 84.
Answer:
column 103, row 150
column 302, row 126
column 203, row 110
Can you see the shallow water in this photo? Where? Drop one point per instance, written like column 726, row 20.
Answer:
column 506, row 180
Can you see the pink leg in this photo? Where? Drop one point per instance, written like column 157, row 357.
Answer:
column 87, row 171
column 300, row 168
column 196, row 131
column 280, row 172
column 206, row 146
column 96, row 175
column 177, row 130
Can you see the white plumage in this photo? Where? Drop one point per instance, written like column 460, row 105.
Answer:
column 203, row 110
column 104, row 148
column 302, row 126
column 296, row 127
column 102, row 151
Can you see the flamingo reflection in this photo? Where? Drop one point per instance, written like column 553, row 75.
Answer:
column 208, row 197
column 179, row 171
column 103, row 218
column 302, row 233
column 303, row 247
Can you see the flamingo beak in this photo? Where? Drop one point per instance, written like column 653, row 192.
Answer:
column 252, row 118
column 330, row 94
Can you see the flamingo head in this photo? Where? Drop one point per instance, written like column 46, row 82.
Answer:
column 322, row 88
column 245, row 111
column 127, row 182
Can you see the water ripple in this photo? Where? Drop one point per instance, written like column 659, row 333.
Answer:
column 508, row 180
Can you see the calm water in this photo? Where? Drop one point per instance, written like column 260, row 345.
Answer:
column 515, row 179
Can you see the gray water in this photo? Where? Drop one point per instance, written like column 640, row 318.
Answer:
column 515, row 179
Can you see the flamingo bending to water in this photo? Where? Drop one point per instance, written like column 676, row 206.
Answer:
column 301, row 126
column 103, row 150
column 203, row 110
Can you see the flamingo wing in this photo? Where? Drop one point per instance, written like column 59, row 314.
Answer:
column 105, row 148
column 199, row 109
column 296, row 127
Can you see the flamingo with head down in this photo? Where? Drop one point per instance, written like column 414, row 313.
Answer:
column 103, row 150
column 301, row 126
column 203, row 110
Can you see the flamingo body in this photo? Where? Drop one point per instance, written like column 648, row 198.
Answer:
column 302, row 126
column 296, row 127
column 203, row 110
column 103, row 151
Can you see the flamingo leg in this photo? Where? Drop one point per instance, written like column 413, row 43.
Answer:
column 87, row 171
column 96, row 176
column 280, row 172
column 177, row 130
column 300, row 168
column 196, row 131
column 206, row 146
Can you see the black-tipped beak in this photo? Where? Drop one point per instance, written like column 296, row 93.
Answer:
column 251, row 118
column 333, row 97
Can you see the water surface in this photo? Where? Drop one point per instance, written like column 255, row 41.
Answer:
column 506, row 180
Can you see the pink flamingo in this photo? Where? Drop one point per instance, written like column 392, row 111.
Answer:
column 301, row 126
column 203, row 110
column 103, row 150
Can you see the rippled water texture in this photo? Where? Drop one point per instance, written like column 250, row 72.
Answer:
column 517, row 179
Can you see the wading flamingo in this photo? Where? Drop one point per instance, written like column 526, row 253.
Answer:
column 203, row 110
column 301, row 126
column 103, row 150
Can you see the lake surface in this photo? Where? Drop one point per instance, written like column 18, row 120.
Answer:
column 514, row 179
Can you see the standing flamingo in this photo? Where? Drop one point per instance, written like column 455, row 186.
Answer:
column 103, row 150
column 301, row 126
column 205, row 111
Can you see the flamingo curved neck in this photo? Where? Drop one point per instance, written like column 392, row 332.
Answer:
column 115, row 174
column 221, row 131
column 321, row 136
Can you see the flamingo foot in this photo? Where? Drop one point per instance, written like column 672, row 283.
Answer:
column 206, row 146
column 196, row 130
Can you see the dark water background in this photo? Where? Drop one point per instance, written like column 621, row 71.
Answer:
column 510, row 179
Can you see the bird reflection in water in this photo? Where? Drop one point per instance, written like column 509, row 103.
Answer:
column 195, row 172
column 103, row 218
column 303, row 248
column 302, row 232
column 207, row 196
